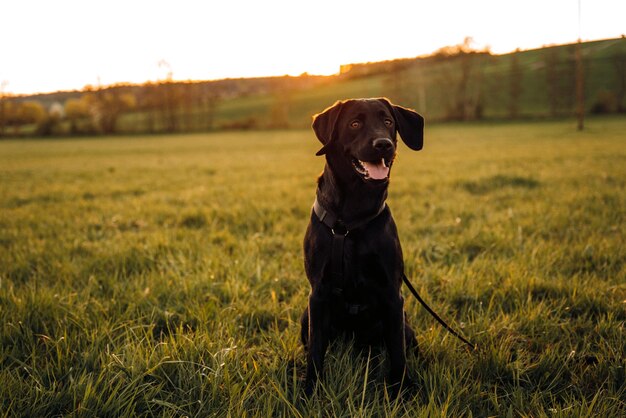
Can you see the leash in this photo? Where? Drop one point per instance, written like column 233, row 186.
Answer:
column 434, row 314
column 340, row 231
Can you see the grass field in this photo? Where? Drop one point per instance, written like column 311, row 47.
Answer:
column 163, row 275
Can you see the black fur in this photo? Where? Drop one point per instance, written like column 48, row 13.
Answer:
column 372, row 262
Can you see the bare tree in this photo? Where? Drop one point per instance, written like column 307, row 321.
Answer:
column 580, row 86
column 169, row 98
column 188, row 107
column 170, row 101
column 399, row 86
column 279, row 111
column 560, row 80
column 461, row 78
column 208, row 102
column 619, row 65
column 552, row 80
column 149, row 104
column 516, row 76
column 3, row 107
column 106, row 105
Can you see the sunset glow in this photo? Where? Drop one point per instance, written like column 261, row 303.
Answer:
column 48, row 46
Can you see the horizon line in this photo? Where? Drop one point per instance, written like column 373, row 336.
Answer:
column 486, row 49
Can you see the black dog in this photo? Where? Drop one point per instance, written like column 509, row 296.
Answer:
column 352, row 253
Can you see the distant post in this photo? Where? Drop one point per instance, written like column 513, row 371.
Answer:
column 580, row 84
column 580, row 87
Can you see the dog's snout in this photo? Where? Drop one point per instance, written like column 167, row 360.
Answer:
column 383, row 144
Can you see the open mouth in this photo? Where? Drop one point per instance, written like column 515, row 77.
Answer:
column 372, row 170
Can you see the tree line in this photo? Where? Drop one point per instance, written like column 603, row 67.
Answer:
column 456, row 83
column 164, row 106
column 460, row 83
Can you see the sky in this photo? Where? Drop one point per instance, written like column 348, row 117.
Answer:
column 48, row 45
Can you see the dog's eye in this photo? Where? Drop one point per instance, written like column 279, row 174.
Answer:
column 355, row 124
column 388, row 122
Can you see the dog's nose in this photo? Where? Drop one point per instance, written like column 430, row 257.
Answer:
column 383, row 144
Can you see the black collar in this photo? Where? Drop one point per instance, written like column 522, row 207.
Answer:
column 336, row 225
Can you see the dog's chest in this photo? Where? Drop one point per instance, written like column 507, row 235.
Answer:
column 364, row 280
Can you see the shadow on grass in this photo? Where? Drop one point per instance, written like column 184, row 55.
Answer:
column 499, row 181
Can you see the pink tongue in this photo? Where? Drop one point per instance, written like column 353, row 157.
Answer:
column 377, row 171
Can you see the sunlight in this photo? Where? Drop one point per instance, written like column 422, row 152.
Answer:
column 71, row 43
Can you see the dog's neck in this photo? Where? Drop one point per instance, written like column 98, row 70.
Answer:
column 350, row 200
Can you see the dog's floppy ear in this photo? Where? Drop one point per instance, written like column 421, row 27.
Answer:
column 324, row 125
column 410, row 125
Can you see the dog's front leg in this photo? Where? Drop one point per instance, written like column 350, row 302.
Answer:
column 318, row 338
column 395, row 341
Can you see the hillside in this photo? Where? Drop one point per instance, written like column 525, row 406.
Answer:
column 453, row 84
column 434, row 85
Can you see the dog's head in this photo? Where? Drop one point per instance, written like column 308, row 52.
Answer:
column 359, row 136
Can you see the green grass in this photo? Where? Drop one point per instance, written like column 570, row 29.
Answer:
column 163, row 275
